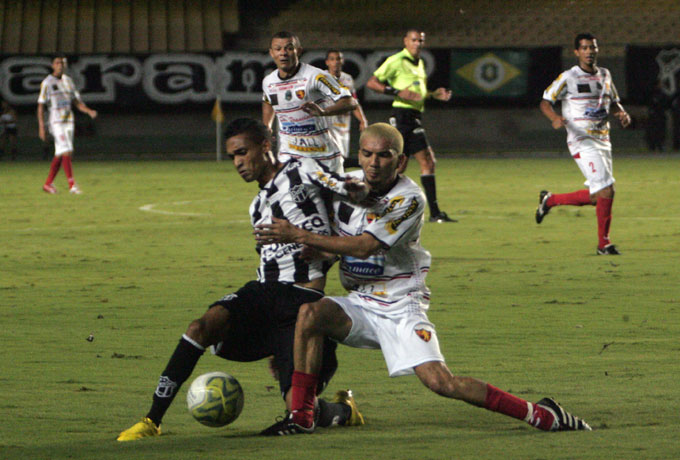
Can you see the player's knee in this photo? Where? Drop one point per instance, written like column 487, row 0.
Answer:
column 206, row 330
column 309, row 316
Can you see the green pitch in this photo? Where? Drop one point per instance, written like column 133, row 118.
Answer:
column 528, row 308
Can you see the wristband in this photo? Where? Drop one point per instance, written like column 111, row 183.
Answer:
column 390, row 91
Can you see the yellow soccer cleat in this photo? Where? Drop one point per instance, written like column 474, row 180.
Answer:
column 140, row 430
column 346, row 397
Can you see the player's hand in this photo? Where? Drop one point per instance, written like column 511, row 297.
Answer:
column 441, row 94
column 357, row 190
column 363, row 124
column 279, row 231
column 408, row 95
column 93, row 114
column 41, row 134
column 559, row 122
column 624, row 118
column 313, row 109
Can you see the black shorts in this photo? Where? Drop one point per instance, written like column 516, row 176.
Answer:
column 408, row 122
column 262, row 324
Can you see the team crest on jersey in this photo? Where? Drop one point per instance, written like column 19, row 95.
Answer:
column 371, row 216
column 424, row 334
column 289, row 95
column 299, row 193
column 300, row 93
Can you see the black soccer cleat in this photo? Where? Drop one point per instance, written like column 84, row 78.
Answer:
column 441, row 218
column 285, row 426
column 543, row 208
column 609, row 250
column 564, row 421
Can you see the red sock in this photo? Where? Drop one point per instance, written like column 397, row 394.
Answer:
column 303, row 396
column 604, row 219
column 68, row 170
column 578, row 198
column 500, row 401
column 54, row 169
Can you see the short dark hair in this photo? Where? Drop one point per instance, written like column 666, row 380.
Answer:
column 328, row 53
column 583, row 36
column 58, row 56
column 286, row 34
column 417, row 30
column 254, row 129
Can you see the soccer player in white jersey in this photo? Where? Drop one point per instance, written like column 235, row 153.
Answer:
column 341, row 124
column 258, row 320
column 384, row 268
column 588, row 96
column 59, row 93
column 303, row 98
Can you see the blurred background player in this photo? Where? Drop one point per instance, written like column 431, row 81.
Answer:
column 403, row 76
column 341, row 124
column 59, row 93
column 389, row 312
column 8, row 131
column 258, row 320
column 588, row 96
column 303, row 98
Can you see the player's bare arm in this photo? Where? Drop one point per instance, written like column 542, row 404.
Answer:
column 41, row 122
column 267, row 115
column 282, row 231
column 376, row 85
column 85, row 109
column 618, row 111
column 343, row 105
column 556, row 119
column 361, row 117
column 441, row 94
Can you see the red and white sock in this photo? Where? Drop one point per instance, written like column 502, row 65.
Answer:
column 68, row 170
column 303, row 397
column 54, row 169
column 604, row 219
column 505, row 403
column 578, row 198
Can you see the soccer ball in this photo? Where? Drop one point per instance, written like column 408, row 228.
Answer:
column 215, row 399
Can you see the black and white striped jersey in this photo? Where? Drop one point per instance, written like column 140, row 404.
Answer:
column 298, row 193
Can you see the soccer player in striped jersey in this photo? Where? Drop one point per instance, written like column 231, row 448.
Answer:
column 303, row 98
column 58, row 92
column 588, row 96
column 258, row 320
column 384, row 267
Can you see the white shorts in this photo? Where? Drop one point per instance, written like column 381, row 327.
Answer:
column 595, row 162
column 63, row 138
column 407, row 340
column 335, row 163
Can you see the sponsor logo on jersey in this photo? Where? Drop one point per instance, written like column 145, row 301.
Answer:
column 583, row 88
column 374, row 265
column 300, row 93
column 322, row 79
column 299, row 193
column 326, row 179
column 596, row 113
column 392, row 225
column 302, row 148
column 291, row 128
column 274, row 99
column 424, row 334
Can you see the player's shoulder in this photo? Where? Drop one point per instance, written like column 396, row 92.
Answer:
column 407, row 186
column 271, row 77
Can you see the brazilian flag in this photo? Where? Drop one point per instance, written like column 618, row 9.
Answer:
column 489, row 73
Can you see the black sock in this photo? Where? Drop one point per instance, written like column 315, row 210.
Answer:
column 177, row 371
column 430, row 193
column 331, row 414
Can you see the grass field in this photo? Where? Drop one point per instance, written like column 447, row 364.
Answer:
column 528, row 308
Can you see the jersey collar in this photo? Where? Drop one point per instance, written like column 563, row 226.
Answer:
column 410, row 58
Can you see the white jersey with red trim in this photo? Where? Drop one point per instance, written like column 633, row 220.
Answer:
column 586, row 99
column 58, row 94
column 399, row 269
column 340, row 124
column 301, row 134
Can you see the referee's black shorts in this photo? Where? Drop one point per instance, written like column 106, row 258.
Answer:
column 262, row 324
column 408, row 122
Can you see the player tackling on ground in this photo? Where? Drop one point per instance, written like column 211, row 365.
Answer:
column 588, row 96
column 384, row 267
column 258, row 320
column 303, row 98
column 58, row 91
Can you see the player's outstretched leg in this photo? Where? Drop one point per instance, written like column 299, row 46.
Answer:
column 563, row 420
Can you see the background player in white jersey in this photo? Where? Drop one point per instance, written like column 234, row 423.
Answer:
column 58, row 92
column 303, row 98
column 384, row 268
column 588, row 96
column 341, row 124
column 258, row 320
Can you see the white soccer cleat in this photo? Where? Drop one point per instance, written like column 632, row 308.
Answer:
column 75, row 190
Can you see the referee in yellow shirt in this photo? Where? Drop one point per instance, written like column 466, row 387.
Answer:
column 403, row 76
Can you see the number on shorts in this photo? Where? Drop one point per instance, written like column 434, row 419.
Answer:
column 592, row 166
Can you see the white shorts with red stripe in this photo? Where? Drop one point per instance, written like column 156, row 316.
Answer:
column 63, row 138
column 594, row 159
